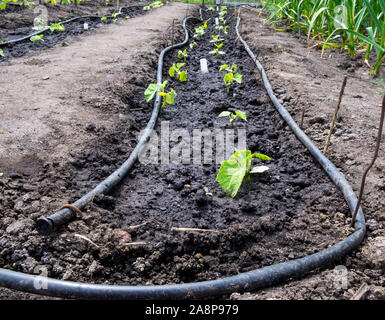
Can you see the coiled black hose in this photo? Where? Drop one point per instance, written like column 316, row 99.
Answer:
column 251, row 280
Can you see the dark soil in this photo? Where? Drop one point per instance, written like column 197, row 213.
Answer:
column 50, row 39
column 280, row 215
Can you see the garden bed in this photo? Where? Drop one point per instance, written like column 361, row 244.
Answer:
column 280, row 215
column 51, row 38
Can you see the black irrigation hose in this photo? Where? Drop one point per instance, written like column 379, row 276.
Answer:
column 5, row 43
column 247, row 281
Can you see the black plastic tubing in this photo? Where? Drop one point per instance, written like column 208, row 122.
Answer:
column 251, row 280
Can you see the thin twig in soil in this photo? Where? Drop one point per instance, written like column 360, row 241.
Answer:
column 361, row 292
column 85, row 238
column 139, row 243
column 194, row 230
column 371, row 164
column 335, row 115
column 137, row 226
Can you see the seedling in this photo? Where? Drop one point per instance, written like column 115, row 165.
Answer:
column 103, row 18
column 199, row 32
column 205, row 24
column 192, row 45
column 183, row 54
column 229, row 79
column 233, row 68
column 39, row 24
column 153, row 88
column 180, row 75
column 1, row 53
column 222, row 28
column 37, row 38
column 153, row 5
column 1, row 174
column 232, row 116
column 211, row 9
column 216, row 50
column 216, row 39
column 57, row 27
column 207, row 193
column 234, row 170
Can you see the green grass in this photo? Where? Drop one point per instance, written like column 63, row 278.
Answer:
column 354, row 25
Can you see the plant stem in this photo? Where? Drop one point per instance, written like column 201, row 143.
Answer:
column 371, row 164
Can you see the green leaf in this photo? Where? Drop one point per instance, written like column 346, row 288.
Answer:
column 224, row 114
column 1, row 53
column 238, row 77
column 223, row 67
column 1, row 174
column 260, row 156
column 233, row 171
column 230, row 176
column 241, row 114
column 150, row 91
column 228, row 78
column 171, row 72
column 180, row 65
column 170, row 97
column 183, row 76
column 259, row 169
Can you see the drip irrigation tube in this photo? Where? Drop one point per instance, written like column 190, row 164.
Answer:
column 251, row 280
column 5, row 43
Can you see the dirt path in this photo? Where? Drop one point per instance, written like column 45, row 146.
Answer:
column 55, row 101
column 304, row 80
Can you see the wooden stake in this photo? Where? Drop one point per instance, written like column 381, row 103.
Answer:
column 302, row 117
column 335, row 115
column 371, row 164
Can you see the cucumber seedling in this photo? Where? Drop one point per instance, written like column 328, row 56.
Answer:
column 192, row 45
column 233, row 115
column 37, row 38
column 1, row 53
column 153, row 88
column 233, row 68
column 57, row 27
column 230, row 78
column 216, row 50
column 180, row 75
column 234, row 170
column 216, row 39
column 199, row 32
column 222, row 28
column 183, row 54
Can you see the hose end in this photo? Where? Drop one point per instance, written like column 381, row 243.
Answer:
column 44, row 226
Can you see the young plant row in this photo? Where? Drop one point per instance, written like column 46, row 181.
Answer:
column 238, row 167
column 355, row 25
column 31, row 4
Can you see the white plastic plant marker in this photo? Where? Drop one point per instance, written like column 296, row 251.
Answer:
column 216, row 21
column 204, row 67
column 85, row 26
